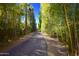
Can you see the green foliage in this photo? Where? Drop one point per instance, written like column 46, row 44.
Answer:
column 11, row 25
column 61, row 21
column 39, row 24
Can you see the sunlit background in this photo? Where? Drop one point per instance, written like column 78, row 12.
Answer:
column 36, row 7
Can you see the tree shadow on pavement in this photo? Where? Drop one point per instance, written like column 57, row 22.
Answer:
column 56, row 48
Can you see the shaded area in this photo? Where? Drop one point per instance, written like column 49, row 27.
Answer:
column 56, row 48
column 38, row 44
column 34, row 46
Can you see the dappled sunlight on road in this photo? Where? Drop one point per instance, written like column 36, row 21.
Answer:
column 34, row 45
column 55, row 47
column 37, row 44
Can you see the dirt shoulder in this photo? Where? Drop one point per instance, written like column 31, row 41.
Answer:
column 55, row 48
column 16, row 42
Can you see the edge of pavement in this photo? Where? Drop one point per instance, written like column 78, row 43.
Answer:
column 15, row 43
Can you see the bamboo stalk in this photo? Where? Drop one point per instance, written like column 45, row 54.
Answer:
column 68, row 26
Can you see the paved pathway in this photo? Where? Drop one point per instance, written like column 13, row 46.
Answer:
column 34, row 46
column 37, row 45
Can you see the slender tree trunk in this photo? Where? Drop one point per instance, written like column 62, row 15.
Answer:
column 69, row 31
column 75, row 31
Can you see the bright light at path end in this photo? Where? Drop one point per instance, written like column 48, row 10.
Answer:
column 23, row 19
